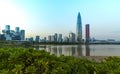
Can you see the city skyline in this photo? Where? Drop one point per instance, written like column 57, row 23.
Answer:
column 44, row 17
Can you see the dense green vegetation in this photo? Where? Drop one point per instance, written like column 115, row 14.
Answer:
column 30, row 61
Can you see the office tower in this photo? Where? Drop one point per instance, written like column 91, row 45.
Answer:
column 17, row 30
column 7, row 29
column 37, row 39
column 55, row 37
column 87, row 31
column 71, row 37
column 22, row 34
column 79, row 29
column 60, row 38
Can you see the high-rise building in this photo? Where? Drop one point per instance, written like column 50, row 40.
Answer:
column 60, row 38
column 52, row 38
column 87, row 31
column 49, row 38
column 22, row 34
column 7, row 29
column 17, row 30
column 71, row 37
column 79, row 29
column 37, row 39
column 13, row 35
column 55, row 37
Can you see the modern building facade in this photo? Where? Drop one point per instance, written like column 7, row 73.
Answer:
column 9, row 34
column 17, row 30
column 37, row 39
column 87, row 33
column 60, row 38
column 49, row 38
column 22, row 34
column 52, row 38
column 79, row 29
column 72, row 37
column 7, row 29
column 56, row 37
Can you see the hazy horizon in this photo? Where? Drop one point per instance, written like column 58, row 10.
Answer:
column 46, row 17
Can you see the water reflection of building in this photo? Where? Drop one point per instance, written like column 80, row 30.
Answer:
column 87, row 50
column 59, row 48
column 37, row 47
column 78, row 51
column 67, row 50
column 54, row 50
column 73, row 51
column 48, row 48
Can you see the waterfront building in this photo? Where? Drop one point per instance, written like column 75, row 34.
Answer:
column 7, row 29
column 7, row 36
column 37, row 39
column 87, row 33
column 13, row 34
column 52, row 38
column 17, row 30
column 22, row 34
column 49, row 38
column 55, row 37
column 30, row 39
column 79, row 29
column 60, row 38
column 72, row 37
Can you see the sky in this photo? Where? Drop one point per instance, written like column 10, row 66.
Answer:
column 46, row 17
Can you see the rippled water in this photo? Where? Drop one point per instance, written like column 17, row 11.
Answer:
column 81, row 50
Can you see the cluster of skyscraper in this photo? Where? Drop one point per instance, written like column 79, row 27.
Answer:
column 18, row 34
column 9, row 34
column 56, row 38
column 72, row 38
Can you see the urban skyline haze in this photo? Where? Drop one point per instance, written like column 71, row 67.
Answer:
column 46, row 17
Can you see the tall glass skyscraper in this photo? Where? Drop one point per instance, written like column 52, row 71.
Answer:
column 7, row 28
column 22, row 34
column 17, row 29
column 79, row 29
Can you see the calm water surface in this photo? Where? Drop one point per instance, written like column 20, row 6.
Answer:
column 81, row 50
